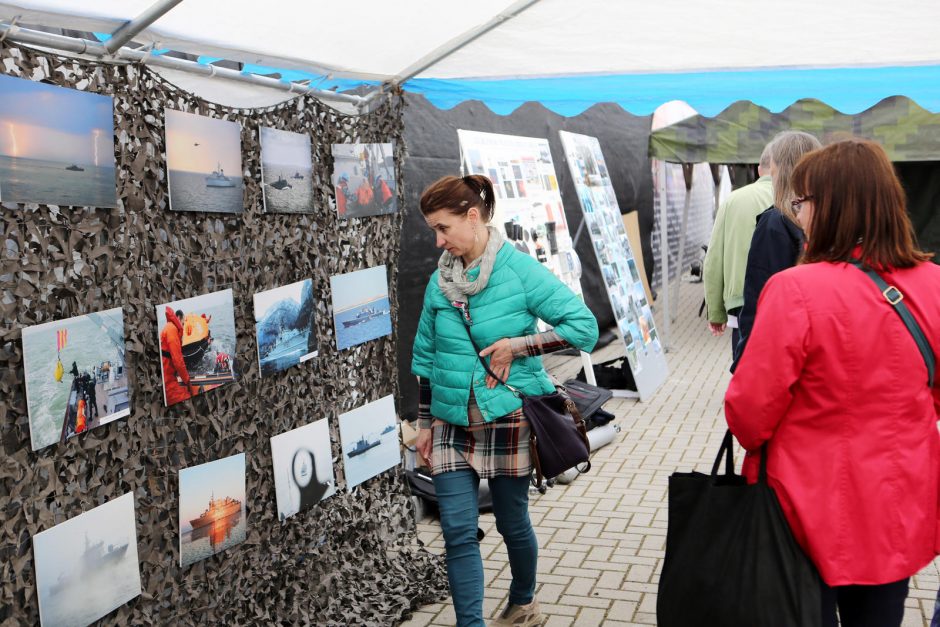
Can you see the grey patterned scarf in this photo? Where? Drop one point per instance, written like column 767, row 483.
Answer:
column 453, row 276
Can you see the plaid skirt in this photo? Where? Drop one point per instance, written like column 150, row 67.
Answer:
column 493, row 449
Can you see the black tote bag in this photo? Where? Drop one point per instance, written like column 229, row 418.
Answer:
column 731, row 559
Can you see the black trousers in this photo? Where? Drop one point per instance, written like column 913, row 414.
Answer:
column 865, row 606
column 735, row 333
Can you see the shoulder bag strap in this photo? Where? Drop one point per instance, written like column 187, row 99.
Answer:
column 486, row 366
column 896, row 299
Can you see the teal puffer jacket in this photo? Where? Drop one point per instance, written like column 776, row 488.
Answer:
column 520, row 291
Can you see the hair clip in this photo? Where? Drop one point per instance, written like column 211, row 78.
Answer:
column 483, row 194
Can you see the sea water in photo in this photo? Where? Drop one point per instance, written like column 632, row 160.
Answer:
column 53, row 182
column 89, row 345
column 365, row 322
column 189, row 191
column 285, row 194
column 198, row 544
column 369, row 436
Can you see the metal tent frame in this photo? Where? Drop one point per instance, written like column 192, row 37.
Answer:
column 115, row 48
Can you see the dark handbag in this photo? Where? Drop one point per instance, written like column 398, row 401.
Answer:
column 557, row 438
column 731, row 559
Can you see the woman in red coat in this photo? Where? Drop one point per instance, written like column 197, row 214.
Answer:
column 835, row 384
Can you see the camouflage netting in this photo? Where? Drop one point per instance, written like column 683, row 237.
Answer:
column 349, row 561
column 738, row 134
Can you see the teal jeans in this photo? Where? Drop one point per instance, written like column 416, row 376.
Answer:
column 457, row 498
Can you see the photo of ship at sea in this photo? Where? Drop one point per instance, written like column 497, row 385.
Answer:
column 369, row 438
column 364, row 180
column 204, row 163
column 56, row 145
column 197, row 345
column 212, row 508
column 285, row 324
column 286, row 171
column 76, row 376
column 303, row 468
column 361, row 309
column 87, row 566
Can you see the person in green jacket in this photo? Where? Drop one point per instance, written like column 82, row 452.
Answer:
column 726, row 259
column 471, row 426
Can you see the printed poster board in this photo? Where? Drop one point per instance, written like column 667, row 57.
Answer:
column 528, row 202
column 622, row 276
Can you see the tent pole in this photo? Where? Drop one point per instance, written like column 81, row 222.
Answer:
column 679, row 266
column 127, row 30
column 664, row 254
column 96, row 49
column 449, row 48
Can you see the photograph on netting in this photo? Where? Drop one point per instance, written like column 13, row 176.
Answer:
column 361, row 309
column 303, row 468
column 364, row 179
column 87, row 567
column 56, row 145
column 212, row 508
column 76, row 375
column 285, row 324
column 197, row 345
column 369, row 438
column 203, row 163
column 286, row 171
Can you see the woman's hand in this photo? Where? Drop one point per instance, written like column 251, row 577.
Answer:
column 423, row 445
column 501, row 357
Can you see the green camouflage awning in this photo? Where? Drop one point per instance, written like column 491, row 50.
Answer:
column 738, row 134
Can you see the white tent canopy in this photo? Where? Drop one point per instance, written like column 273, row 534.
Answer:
column 373, row 39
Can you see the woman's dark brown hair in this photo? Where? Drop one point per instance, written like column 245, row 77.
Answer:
column 459, row 195
column 857, row 201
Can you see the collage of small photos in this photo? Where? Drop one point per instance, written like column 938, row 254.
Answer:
column 612, row 247
column 76, row 371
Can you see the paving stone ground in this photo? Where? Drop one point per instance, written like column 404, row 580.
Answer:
column 602, row 537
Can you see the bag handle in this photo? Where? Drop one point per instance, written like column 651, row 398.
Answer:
column 727, row 448
column 896, row 299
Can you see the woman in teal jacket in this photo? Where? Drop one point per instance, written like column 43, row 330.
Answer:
column 471, row 426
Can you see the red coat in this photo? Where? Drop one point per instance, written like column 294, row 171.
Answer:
column 832, row 378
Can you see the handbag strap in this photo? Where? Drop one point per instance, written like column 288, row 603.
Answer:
column 486, row 366
column 896, row 299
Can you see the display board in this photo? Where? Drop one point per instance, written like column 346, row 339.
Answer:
column 353, row 559
column 644, row 350
column 528, row 202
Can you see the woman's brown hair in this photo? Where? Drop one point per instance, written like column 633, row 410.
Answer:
column 459, row 195
column 857, row 201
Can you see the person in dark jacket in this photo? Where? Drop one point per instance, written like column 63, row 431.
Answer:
column 778, row 237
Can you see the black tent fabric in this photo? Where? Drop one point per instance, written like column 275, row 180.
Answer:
column 433, row 151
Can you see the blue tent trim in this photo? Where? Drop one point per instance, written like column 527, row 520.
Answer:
column 849, row 90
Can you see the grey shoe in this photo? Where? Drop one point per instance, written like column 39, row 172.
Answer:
column 528, row 615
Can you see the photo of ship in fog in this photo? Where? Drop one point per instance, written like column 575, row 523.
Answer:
column 361, row 308
column 369, row 438
column 285, row 324
column 87, row 566
column 286, row 171
column 76, row 377
column 212, row 508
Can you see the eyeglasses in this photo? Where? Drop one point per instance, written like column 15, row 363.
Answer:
column 798, row 203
